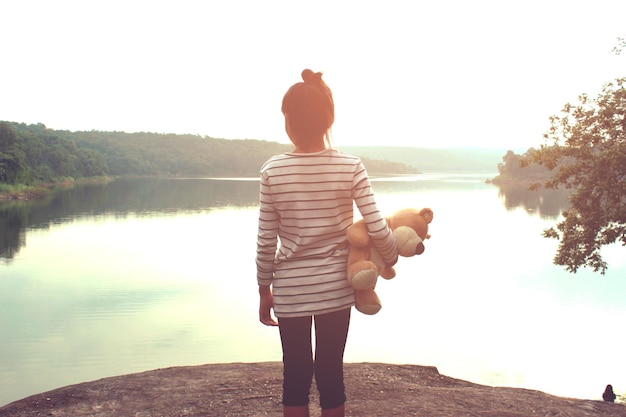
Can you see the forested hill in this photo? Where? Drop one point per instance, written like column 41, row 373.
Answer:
column 34, row 153
column 435, row 159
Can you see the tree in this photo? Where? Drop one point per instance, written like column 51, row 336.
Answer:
column 621, row 45
column 588, row 156
column 13, row 168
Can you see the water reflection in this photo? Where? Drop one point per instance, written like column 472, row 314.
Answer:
column 145, row 197
column 142, row 197
column 547, row 203
column 144, row 274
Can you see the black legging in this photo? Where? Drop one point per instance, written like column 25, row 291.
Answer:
column 331, row 332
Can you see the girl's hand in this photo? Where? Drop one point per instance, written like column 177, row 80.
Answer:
column 266, row 304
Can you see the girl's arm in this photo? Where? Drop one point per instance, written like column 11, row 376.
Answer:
column 267, row 237
column 377, row 227
column 266, row 305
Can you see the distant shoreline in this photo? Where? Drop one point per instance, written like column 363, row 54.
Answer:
column 21, row 192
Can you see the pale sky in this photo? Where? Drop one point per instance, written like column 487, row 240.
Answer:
column 445, row 73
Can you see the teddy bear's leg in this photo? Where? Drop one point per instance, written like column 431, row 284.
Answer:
column 362, row 272
column 367, row 301
column 388, row 273
column 362, row 275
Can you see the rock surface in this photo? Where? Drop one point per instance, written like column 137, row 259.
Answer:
column 254, row 389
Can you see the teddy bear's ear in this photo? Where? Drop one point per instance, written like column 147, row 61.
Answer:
column 427, row 214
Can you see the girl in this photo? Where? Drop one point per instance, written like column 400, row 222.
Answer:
column 306, row 205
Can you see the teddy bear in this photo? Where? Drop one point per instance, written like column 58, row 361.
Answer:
column 409, row 227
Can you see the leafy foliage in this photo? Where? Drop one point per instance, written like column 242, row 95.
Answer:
column 514, row 170
column 12, row 158
column 34, row 154
column 621, row 45
column 588, row 155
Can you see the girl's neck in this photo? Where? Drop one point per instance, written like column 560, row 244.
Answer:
column 314, row 149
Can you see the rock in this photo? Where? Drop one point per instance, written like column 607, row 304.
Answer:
column 254, row 390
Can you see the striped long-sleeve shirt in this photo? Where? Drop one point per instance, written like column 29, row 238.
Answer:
column 306, row 205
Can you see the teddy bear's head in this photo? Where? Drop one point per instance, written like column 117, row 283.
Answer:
column 410, row 228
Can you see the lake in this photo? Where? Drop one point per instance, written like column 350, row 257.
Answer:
column 133, row 275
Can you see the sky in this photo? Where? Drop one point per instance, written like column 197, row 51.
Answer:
column 447, row 73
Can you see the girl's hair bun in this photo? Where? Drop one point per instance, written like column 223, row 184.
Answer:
column 311, row 77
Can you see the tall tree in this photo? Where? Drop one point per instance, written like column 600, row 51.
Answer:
column 588, row 156
column 13, row 168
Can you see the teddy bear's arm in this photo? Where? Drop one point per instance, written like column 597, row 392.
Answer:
column 358, row 235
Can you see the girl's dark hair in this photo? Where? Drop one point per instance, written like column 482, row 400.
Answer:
column 310, row 107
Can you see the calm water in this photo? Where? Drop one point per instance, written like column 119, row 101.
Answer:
column 143, row 274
